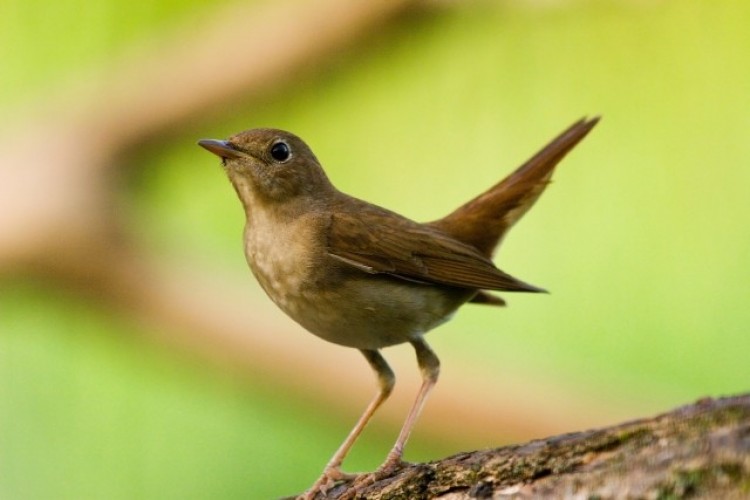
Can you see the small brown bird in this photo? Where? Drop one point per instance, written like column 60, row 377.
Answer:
column 362, row 276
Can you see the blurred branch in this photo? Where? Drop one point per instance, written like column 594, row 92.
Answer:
column 60, row 217
column 697, row 451
column 58, row 198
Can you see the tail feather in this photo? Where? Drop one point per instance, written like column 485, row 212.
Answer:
column 483, row 221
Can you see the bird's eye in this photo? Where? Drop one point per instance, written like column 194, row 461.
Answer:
column 280, row 151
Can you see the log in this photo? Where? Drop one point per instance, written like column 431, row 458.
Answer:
column 700, row 450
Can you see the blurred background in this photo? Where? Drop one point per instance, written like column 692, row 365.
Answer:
column 140, row 359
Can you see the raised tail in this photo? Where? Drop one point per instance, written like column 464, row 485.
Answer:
column 483, row 221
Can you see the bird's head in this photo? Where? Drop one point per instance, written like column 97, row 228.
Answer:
column 270, row 166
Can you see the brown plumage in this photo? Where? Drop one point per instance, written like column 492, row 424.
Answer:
column 483, row 221
column 379, row 241
column 365, row 277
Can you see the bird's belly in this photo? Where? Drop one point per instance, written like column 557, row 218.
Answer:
column 362, row 311
column 372, row 313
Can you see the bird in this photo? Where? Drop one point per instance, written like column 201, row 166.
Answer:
column 362, row 276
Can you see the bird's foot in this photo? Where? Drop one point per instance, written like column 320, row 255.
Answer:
column 391, row 465
column 387, row 469
column 329, row 478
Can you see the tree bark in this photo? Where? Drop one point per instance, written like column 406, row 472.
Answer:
column 698, row 451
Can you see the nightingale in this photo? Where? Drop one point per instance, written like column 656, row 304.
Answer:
column 362, row 276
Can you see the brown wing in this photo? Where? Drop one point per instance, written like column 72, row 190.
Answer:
column 483, row 221
column 378, row 241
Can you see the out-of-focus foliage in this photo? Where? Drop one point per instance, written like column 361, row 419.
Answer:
column 90, row 410
column 642, row 238
column 45, row 43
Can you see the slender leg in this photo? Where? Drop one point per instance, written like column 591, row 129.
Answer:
column 429, row 365
column 386, row 380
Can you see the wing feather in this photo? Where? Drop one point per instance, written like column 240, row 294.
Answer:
column 377, row 241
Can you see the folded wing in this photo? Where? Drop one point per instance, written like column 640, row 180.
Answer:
column 377, row 241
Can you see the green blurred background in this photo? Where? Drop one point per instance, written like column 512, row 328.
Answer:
column 643, row 237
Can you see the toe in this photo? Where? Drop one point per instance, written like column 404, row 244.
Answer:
column 390, row 466
column 330, row 477
column 336, row 474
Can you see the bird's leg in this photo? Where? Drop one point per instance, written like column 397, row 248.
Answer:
column 386, row 380
column 429, row 365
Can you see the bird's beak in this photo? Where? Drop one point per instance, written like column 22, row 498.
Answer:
column 222, row 149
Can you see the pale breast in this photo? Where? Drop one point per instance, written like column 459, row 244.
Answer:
column 281, row 256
